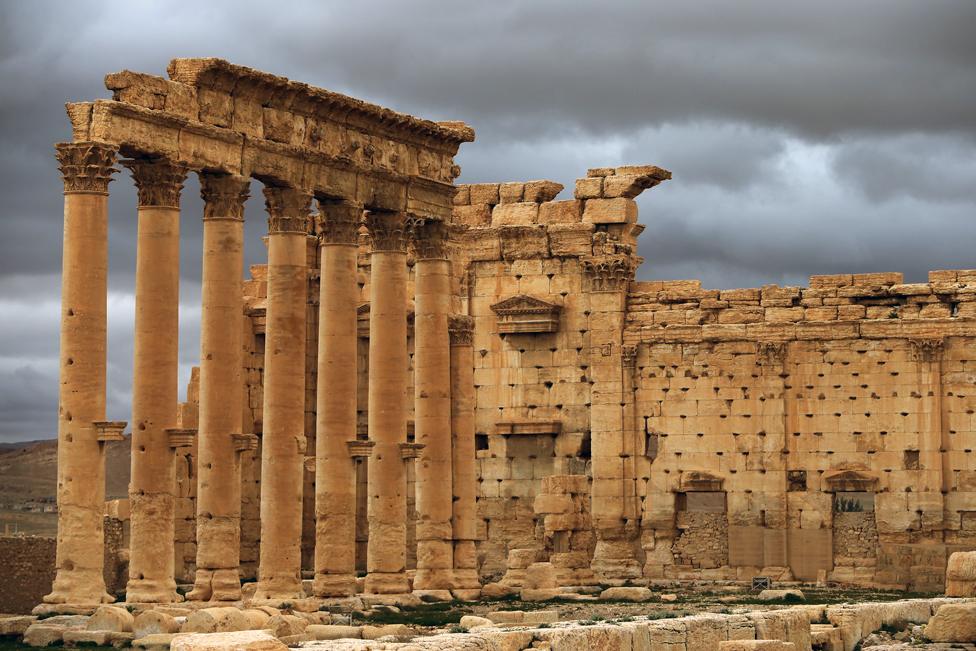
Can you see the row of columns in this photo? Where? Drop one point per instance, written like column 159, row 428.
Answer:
column 443, row 394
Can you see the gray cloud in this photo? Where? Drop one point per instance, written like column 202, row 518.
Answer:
column 804, row 138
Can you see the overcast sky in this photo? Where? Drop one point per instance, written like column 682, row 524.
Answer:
column 804, row 137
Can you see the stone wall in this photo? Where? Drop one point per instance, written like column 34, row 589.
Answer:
column 702, row 541
column 785, row 395
column 26, row 562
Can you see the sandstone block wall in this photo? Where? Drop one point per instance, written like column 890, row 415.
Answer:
column 26, row 562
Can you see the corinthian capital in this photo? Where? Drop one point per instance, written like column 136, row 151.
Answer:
column 388, row 231
column 159, row 181
column 460, row 327
column 288, row 209
column 86, row 166
column 224, row 196
column 429, row 237
column 339, row 221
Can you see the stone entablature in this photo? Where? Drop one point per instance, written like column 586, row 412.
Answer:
column 213, row 115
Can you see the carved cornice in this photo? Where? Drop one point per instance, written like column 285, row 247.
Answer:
column 927, row 350
column 609, row 273
column 429, row 238
column 224, row 196
column 86, row 166
column 340, row 222
column 388, row 231
column 158, row 181
column 288, row 209
column 461, row 329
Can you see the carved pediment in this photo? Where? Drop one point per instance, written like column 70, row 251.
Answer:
column 525, row 314
column 853, row 479
column 699, row 480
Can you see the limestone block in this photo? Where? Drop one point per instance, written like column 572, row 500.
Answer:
column 511, row 192
column 589, row 188
column 155, row 642
column 571, row 239
column 111, row 618
column 333, row 632
column 229, row 641
column 541, row 191
column 514, row 214
column 216, row 620
column 282, row 626
column 560, row 212
column 953, row 623
column 557, row 504
column 257, row 618
column 626, row 594
column 540, row 594
column 506, row 616
column 16, row 625
column 497, row 590
column 610, row 211
column 41, row 634
column 153, row 622
column 756, row 645
column 522, row 242
column 463, row 196
column 540, row 576
column 777, row 595
column 484, row 193
column 476, row 216
column 97, row 638
column 961, row 575
column 588, row 637
column 473, row 621
column 520, row 559
column 389, row 630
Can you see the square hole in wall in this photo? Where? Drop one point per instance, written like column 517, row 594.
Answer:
column 796, row 480
column 911, row 460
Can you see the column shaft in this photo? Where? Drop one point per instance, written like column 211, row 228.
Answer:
column 387, row 419
column 432, row 409
column 335, row 470
column 221, row 389
column 87, row 169
column 464, row 468
column 283, row 441
column 154, row 384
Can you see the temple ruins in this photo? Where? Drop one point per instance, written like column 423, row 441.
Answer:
column 462, row 390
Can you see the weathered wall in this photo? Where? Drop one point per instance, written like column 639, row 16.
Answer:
column 786, row 395
column 26, row 562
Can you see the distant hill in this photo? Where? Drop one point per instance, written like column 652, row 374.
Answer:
column 29, row 470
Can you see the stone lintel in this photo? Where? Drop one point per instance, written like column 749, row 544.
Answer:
column 529, row 427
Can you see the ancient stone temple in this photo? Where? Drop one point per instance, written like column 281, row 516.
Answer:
column 432, row 387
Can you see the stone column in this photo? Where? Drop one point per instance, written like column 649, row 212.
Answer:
column 464, row 469
column 283, row 440
column 335, row 469
column 432, row 407
column 87, row 168
column 615, row 554
column 154, row 382
column 221, row 389
column 387, row 419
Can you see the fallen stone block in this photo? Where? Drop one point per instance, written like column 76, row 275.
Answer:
column 229, row 641
column 153, row 622
column 756, row 645
column 389, row 630
column 961, row 575
column 333, row 632
column 222, row 619
column 506, row 616
column 41, row 634
column 497, row 591
column 111, row 618
column 782, row 595
column 154, row 642
column 282, row 626
column 473, row 621
column 953, row 623
column 626, row 594
column 15, row 626
column 97, row 638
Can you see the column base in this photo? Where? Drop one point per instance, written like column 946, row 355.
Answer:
column 279, row 587
column 334, row 585
column 387, row 583
column 466, row 579
column 147, row 591
column 80, row 587
column 216, row 585
column 433, row 579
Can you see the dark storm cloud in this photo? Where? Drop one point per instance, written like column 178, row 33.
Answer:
column 804, row 138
